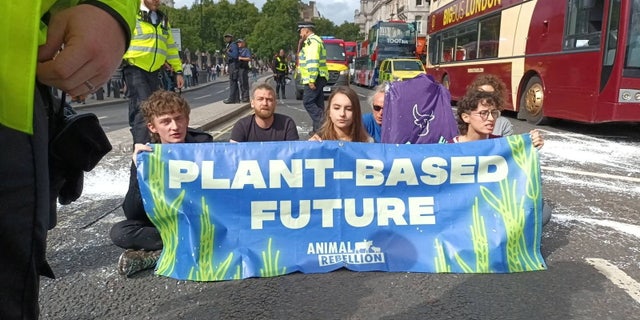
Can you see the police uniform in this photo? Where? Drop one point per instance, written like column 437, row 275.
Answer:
column 280, row 70
column 27, row 204
column 151, row 46
column 232, row 68
column 312, row 62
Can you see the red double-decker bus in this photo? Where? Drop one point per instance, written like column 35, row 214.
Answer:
column 573, row 59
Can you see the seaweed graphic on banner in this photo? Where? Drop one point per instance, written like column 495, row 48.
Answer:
column 271, row 263
column 165, row 215
column 510, row 208
column 206, row 271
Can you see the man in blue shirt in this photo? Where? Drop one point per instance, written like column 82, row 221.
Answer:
column 232, row 64
column 373, row 121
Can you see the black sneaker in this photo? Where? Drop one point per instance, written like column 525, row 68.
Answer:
column 132, row 261
column 245, row 100
column 227, row 101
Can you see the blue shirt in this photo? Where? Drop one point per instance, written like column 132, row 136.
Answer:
column 232, row 52
column 372, row 127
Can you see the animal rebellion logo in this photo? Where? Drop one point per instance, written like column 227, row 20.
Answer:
column 422, row 121
column 346, row 253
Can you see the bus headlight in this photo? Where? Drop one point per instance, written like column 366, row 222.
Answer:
column 344, row 72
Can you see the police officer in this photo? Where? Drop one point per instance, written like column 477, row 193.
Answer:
column 312, row 60
column 280, row 70
column 232, row 68
column 244, row 58
column 151, row 45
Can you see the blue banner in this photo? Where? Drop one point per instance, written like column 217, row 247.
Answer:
column 239, row 210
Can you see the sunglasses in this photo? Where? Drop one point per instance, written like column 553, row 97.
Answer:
column 377, row 108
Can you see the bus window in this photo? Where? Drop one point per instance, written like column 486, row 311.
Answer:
column 448, row 46
column 584, row 24
column 489, row 37
column 467, row 37
column 633, row 49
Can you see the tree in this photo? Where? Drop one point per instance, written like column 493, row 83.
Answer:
column 349, row 32
column 324, row 27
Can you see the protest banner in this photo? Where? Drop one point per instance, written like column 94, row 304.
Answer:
column 239, row 210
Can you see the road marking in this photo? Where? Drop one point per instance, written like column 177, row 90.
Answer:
column 591, row 174
column 103, row 117
column 202, row 97
column 617, row 277
column 224, row 131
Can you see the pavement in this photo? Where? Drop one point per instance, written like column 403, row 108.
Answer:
column 203, row 118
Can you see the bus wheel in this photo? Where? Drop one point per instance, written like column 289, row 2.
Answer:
column 532, row 101
column 445, row 81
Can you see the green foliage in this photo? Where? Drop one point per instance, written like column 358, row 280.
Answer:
column 203, row 25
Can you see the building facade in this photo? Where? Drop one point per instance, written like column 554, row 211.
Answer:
column 372, row 11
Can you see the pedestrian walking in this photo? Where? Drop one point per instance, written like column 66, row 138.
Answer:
column 152, row 45
column 312, row 59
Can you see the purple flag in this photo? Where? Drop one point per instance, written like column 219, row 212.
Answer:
column 417, row 111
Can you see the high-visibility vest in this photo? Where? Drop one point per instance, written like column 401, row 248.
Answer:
column 282, row 64
column 23, row 31
column 152, row 45
column 312, row 60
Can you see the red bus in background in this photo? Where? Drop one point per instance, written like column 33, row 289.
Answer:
column 350, row 48
column 386, row 39
column 576, row 59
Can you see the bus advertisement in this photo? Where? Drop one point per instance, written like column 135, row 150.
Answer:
column 386, row 39
column 577, row 60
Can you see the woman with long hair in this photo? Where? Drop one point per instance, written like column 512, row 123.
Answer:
column 342, row 118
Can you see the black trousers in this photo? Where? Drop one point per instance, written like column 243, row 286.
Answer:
column 281, row 82
column 234, row 94
column 136, row 232
column 313, row 101
column 26, row 213
column 140, row 85
column 243, row 74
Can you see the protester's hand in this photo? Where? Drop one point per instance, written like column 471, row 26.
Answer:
column 312, row 86
column 180, row 81
column 315, row 137
column 90, row 54
column 536, row 138
column 139, row 147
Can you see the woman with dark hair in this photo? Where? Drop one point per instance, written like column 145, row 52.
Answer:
column 342, row 118
column 491, row 83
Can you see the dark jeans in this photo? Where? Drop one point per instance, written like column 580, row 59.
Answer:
column 234, row 94
column 136, row 232
column 313, row 101
column 27, row 211
column 281, row 82
column 244, row 83
column 140, row 85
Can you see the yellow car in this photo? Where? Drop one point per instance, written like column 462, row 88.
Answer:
column 400, row 69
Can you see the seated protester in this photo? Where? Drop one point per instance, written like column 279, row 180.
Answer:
column 167, row 117
column 373, row 121
column 342, row 118
column 477, row 114
column 264, row 124
column 491, row 83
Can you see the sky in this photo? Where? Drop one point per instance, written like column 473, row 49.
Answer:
column 337, row 11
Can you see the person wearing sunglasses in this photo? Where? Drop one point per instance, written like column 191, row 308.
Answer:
column 372, row 121
column 477, row 114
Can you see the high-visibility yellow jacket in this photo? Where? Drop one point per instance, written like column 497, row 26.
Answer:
column 312, row 60
column 152, row 45
column 23, row 33
column 281, row 64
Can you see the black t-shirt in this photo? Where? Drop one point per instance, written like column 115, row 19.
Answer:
column 282, row 129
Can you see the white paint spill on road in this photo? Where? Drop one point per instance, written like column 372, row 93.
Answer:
column 617, row 277
column 591, row 174
column 202, row 97
column 630, row 229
